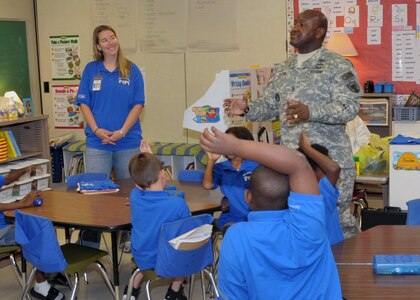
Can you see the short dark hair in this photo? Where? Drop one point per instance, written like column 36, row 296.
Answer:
column 240, row 132
column 270, row 189
column 144, row 169
column 318, row 148
column 320, row 17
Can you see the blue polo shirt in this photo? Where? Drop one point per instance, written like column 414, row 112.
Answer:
column 332, row 220
column 281, row 254
column 233, row 184
column 111, row 103
column 149, row 209
column 3, row 223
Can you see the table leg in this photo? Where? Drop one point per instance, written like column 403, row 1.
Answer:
column 115, row 263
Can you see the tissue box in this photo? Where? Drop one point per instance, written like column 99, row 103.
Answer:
column 396, row 264
column 22, row 187
column 41, row 182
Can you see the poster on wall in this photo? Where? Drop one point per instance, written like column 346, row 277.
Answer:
column 66, row 113
column 208, row 110
column 65, row 57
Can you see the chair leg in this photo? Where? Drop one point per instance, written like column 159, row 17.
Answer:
column 148, row 289
column 69, row 281
column 211, row 278
column 191, row 288
column 203, row 288
column 131, row 283
column 28, row 284
column 106, row 278
column 75, row 287
column 16, row 268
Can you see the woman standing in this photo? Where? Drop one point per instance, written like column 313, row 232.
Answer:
column 111, row 97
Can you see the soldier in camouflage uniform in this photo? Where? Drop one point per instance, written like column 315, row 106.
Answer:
column 315, row 91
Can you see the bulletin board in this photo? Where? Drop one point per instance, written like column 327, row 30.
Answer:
column 374, row 62
column 14, row 69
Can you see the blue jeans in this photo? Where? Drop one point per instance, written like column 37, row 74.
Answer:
column 102, row 161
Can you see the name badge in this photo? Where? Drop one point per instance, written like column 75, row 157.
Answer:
column 97, row 85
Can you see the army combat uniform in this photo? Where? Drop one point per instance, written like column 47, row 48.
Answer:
column 327, row 83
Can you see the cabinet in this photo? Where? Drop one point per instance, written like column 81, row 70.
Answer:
column 31, row 134
column 384, row 128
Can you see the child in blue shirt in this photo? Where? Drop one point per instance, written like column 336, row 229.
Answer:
column 232, row 175
column 282, row 252
column 151, row 206
column 327, row 172
column 42, row 289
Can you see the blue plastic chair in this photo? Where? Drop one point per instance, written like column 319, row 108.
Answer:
column 191, row 176
column 413, row 213
column 172, row 263
column 72, row 180
column 40, row 247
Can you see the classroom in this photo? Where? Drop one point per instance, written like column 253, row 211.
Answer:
column 187, row 57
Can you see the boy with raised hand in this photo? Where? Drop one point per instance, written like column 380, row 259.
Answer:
column 282, row 252
column 327, row 172
column 151, row 206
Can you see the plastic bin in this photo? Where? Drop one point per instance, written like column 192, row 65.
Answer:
column 406, row 113
column 57, row 162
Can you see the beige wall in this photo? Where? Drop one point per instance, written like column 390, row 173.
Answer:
column 173, row 80
column 22, row 10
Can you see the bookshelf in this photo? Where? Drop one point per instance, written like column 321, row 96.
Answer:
column 31, row 134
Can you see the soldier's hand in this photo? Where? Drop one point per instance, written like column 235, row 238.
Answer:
column 234, row 107
column 296, row 112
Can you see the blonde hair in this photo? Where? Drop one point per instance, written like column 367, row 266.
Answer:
column 124, row 65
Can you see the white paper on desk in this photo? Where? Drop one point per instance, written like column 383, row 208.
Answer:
column 208, row 110
column 195, row 236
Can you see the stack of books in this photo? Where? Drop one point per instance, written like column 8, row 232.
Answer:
column 97, row 187
column 12, row 146
column 3, row 149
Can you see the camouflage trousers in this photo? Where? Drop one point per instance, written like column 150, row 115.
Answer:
column 345, row 186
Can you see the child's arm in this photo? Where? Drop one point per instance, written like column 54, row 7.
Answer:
column 145, row 147
column 14, row 175
column 330, row 167
column 27, row 201
column 287, row 161
column 208, row 174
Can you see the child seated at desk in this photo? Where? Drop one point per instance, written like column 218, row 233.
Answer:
column 232, row 175
column 151, row 206
column 282, row 252
column 42, row 289
column 327, row 172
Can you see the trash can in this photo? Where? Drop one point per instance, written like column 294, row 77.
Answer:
column 57, row 162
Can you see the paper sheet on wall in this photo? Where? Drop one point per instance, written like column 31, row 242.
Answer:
column 120, row 15
column 208, row 110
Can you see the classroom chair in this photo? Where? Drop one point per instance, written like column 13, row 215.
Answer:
column 172, row 263
column 413, row 212
column 191, row 176
column 11, row 251
column 71, row 181
column 40, row 247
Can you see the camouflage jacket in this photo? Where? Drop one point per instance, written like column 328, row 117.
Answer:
column 327, row 83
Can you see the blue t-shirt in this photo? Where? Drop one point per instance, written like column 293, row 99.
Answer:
column 149, row 209
column 3, row 223
column 332, row 220
column 233, row 184
column 281, row 254
column 111, row 103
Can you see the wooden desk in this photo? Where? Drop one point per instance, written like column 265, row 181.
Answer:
column 109, row 212
column 354, row 259
column 359, row 282
column 383, row 239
